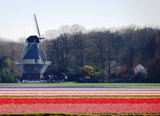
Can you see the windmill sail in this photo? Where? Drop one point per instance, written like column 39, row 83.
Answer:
column 38, row 32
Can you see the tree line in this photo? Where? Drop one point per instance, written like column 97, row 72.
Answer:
column 98, row 56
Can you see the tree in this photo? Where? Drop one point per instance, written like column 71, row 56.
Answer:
column 5, row 64
column 100, row 43
column 57, row 51
column 78, row 48
column 87, row 72
column 129, row 35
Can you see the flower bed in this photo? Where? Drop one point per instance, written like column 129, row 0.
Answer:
column 79, row 105
column 80, row 108
column 79, row 100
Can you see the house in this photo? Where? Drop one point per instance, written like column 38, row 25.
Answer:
column 53, row 76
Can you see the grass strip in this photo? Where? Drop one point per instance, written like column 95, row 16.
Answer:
column 79, row 84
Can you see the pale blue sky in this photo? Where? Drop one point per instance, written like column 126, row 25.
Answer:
column 17, row 15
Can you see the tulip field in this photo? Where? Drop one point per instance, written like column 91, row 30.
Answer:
column 80, row 100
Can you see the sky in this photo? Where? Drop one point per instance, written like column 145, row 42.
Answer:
column 16, row 16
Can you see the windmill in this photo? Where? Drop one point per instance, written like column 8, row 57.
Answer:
column 33, row 61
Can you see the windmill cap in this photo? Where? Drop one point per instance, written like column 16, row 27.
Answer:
column 32, row 39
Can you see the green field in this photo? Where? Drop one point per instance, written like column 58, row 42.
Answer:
column 79, row 84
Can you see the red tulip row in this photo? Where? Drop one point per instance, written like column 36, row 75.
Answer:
column 79, row 101
column 80, row 108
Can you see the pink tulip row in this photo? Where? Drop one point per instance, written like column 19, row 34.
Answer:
column 80, row 108
column 80, row 93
